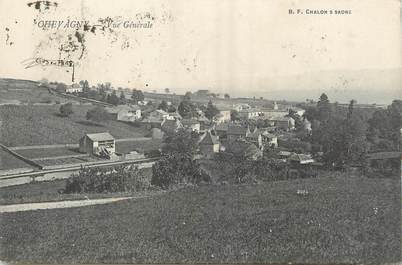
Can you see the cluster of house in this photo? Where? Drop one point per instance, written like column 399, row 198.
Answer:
column 222, row 135
column 277, row 117
column 173, row 121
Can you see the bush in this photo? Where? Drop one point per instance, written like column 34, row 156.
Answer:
column 176, row 169
column 97, row 114
column 101, row 180
column 66, row 109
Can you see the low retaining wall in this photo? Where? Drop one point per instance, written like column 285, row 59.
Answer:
column 46, row 146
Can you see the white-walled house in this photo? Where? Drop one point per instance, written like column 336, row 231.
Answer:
column 95, row 143
column 124, row 112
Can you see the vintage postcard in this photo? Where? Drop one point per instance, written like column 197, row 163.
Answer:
column 200, row 131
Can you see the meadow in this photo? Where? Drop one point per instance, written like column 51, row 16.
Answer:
column 26, row 92
column 334, row 220
column 48, row 152
column 8, row 161
column 42, row 125
column 139, row 146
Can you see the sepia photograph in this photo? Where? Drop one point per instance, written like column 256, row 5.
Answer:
column 200, row 132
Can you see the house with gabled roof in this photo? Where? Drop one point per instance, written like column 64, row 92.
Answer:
column 124, row 112
column 155, row 118
column 255, row 137
column 191, row 124
column 74, row 88
column 209, row 145
column 235, row 132
column 284, row 123
column 251, row 113
column 221, row 129
column 171, row 126
column 96, row 143
column 269, row 139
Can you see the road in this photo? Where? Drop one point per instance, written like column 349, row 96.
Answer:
column 57, row 205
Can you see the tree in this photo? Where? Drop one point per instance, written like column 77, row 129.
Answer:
column 122, row 97
column 66, row 109
column 344, row 139
column 183, row 141
column 187, row 96
column 61, row 87
column 85, row 85
column 137, row 95
column 211, row 111
column 298, row 120
column 167, row 90
column 163, row 106
column 108, row 86
column 384, row 126
column 113, row 99
column 227, row 96
column 171, row 108
column 187, row 109
column 177, row 164
column 97, row 114
column 234, row 115
column 324, row 108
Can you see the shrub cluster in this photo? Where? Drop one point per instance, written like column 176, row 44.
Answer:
column 176, row 169
column 102, row 180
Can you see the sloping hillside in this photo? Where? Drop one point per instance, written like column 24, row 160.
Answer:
column 335, row 220
column 38, row 125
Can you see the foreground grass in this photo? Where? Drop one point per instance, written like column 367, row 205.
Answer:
column 339, row 220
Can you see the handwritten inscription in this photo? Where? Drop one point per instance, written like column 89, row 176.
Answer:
column 85, row 24
column 47, row 62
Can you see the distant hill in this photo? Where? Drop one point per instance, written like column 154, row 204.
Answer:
column 17, row 83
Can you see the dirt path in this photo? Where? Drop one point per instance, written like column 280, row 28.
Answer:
column 57, row 205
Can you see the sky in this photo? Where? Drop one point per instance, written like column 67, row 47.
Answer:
column 240, row 47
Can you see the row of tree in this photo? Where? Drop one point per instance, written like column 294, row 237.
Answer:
column 345, row 136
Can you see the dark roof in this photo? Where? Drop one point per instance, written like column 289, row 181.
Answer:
column 209, row 139
column 284, row 153
column 222, row 127
column 281, row 119
column 301, row 158
column 171, row 125
column 265, row 133
column 255, row 134
column 96, row 137
column 189, row 122
column 237, row 130
column 384, row 155
column 240, row 147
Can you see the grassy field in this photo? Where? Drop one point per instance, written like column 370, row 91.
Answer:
column 47, row 152
column 140, row 146
column 8, row 161
column 339, row 220
column 37, row 125
column 25, row 92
